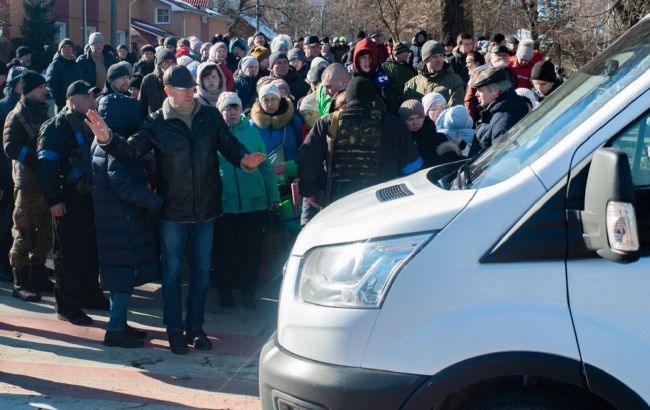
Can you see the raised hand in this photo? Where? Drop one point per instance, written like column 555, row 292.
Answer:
column 96, row 123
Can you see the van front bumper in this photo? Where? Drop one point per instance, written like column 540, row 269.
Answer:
column 290, row 382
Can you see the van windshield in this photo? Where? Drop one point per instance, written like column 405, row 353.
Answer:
column 569, row 106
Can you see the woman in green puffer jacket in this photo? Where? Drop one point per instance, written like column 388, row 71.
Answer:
column 248, row 198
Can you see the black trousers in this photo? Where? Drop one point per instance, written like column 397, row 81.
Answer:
column 6, row 222
column 75, row 254
column 238, row 250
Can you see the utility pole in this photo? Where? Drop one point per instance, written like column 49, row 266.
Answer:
column 114, row 39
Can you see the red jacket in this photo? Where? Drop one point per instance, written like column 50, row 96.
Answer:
column 523, row 73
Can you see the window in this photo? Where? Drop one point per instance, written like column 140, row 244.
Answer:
column 635, row 142
column 89, row 31
column 162, row 15
column 62, row 31
column 121, row 37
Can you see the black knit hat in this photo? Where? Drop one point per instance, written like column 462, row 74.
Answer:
column 116, row 71
column 496, row 49
column 22, row 51
column 360, row 89
column 497, row 38
column 136, row 81
column 170, row 41
column 30, row 80
column 544, row 71
column 122, row 46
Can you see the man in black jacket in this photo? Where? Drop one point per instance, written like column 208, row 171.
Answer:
column 62, row 71
column 465, row 43
column 185, row 136
column 64, row 168
column 94, row 64
column 280, row 68
column 146, row 64
column 152, row 90
column 32, row 220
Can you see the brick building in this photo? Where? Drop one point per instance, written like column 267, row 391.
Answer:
column 150, row 19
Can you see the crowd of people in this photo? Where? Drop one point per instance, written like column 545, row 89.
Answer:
column 118, row 163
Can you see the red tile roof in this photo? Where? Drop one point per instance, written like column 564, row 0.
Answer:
column 199, row 3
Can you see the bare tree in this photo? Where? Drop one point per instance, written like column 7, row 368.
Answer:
column 456, row 17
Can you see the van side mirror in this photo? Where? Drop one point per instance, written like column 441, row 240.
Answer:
column 608, row 220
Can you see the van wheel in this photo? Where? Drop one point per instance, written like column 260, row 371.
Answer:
column 520, row 400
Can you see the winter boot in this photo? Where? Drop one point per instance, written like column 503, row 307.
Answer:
column 38, row 280
column 21, row 286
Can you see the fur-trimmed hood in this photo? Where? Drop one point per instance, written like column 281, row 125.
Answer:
column 278, row 120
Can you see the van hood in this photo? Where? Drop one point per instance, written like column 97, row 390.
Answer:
column 407, row 205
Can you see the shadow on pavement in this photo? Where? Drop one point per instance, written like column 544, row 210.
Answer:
column 48, row 387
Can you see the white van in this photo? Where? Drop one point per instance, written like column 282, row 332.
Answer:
column 518, row 280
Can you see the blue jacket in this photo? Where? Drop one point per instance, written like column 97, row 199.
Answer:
column 127, row 233
column 121, row 113
column 246, row 88
column 282, row 127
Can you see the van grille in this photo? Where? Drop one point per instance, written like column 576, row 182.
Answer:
column 393, row 192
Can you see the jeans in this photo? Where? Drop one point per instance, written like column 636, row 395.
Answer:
column 119, row 306
column 173, row 238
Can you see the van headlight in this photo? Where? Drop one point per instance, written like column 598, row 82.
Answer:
column 356, row 275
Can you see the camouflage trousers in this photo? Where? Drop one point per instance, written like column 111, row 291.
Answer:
column 32, row 230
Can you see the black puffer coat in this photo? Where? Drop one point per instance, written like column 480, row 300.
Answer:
column 59, row 75
column 127, row 236
column 497, row 118
column 188, row 164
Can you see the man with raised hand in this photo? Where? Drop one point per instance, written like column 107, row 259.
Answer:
column 185, row 136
